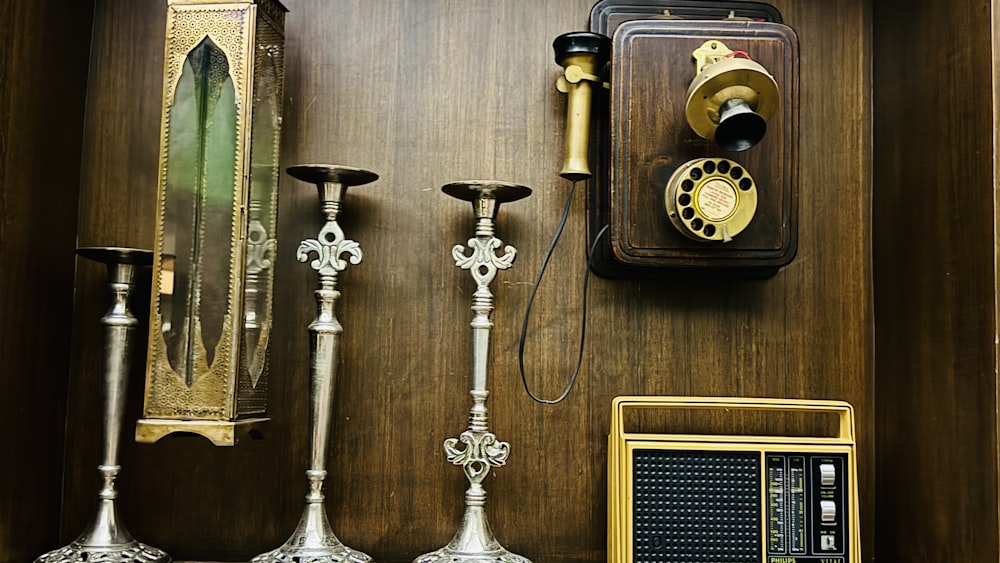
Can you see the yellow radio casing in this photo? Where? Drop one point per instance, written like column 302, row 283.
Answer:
column 731, row 498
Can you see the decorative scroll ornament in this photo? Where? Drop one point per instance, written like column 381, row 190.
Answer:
column 482, row 451
column 483, row 261
column 260, row 259
column 329, row 246
column 260, row 249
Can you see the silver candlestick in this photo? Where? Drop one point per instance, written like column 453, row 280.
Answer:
column 474, row 541
column 313, row 540
column 106, row 539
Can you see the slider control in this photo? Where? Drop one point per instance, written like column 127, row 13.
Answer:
column 827, row 474
column 827, row 511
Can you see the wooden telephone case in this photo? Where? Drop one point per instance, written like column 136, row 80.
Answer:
column 645, row 137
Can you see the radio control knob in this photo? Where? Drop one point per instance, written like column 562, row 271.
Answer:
column 827, row 474
column 828, row 542
column 827, row 511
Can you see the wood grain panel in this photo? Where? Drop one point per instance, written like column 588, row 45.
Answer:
column 428, row 92
column 935, row 255
column 43, row 70
column 117, row 197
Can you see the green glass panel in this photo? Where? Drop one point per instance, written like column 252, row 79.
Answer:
column 198, row 210
column 265, row 128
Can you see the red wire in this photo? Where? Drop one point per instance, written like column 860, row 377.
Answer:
column 743, row 53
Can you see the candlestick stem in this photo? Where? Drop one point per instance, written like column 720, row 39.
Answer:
column 480, row 450
column 106, row 539
column 313, row 540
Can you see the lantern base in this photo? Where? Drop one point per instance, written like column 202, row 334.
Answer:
column 219, row 432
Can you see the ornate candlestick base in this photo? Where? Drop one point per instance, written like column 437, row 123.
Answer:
column 474, row 541
column 313, row 540
column 106, row 539
column 96, row 546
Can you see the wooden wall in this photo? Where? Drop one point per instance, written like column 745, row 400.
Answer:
column 427, row 92
column 935, row 270
column 43, row 70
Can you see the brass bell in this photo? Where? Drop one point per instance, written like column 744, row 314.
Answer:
column 582, row 55
column 731, row 98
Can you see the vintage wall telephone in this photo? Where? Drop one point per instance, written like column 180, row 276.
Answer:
column 694, row 163
column 692, row 170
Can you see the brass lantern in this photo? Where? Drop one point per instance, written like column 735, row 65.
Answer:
column 210, row 312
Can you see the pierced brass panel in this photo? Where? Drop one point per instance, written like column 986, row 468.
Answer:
column 210, row 316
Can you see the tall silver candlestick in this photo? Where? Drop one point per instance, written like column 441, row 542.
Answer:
column 480, row 450
column 313, row 540
column 106, row 539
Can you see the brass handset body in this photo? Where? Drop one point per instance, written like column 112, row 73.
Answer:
column 582, row 56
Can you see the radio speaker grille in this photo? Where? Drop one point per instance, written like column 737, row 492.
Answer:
column 696, row 507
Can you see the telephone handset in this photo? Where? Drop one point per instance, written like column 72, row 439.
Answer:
column 583, row 57
column 694, row 160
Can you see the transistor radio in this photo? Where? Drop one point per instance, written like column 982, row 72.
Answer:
column 686, row 498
